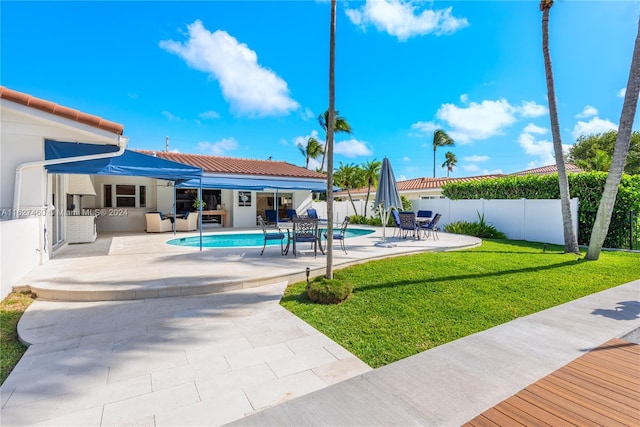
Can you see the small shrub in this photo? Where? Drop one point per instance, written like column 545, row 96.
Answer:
column 477, row 229
column 328, row 291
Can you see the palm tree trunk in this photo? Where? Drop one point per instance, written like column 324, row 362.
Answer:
column 620, row 151
column 434, row 160
column 366, row 201
column 570, row 239
column 329, row 144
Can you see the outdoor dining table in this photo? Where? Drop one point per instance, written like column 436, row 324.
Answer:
column 289, row 227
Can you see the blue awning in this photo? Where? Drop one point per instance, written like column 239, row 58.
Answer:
column 257, row 184
column 130, row 163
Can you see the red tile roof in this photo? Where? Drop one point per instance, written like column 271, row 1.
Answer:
column 546, row 170
column 59, row 110
column 417, row 184
column 231, row 165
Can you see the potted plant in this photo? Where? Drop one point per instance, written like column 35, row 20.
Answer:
column 197, row 203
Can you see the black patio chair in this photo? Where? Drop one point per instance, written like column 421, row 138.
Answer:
column 305, row 230
column 408, row 225
column 279, row 235
column 340, row 235
column 432, row 227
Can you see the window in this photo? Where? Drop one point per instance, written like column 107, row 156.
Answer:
column 126, row 196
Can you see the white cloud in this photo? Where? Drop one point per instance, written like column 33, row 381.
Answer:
column 531, row 128
column 209, row 115
column 171, row 117
column 423, row 128
column 594, row 126
column 403, row 18
column 250, row 88
column 401, row 178
column 588, row 111
column 406, row 159
column 622, row 92
column 470, row 168
column 477, row 121
column 531, row 109
column 464, row 98
column 476, row 158
column 352, row 148
column 219, row 148
column 542, row 149
column 492, row 172
column 303, row 139
column 314, row 164
column 307, row 114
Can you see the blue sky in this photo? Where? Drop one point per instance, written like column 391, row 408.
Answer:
column 248, row 79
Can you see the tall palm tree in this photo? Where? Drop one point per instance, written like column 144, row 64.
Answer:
column 450, row 162
column 570, row 238
column 331, row 121
column 340, row 125
column 620, row 151
column 312, row 150
column 371, row 172
column 440, row 139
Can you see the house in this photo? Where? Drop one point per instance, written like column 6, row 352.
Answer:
column 67, row 175
column 33, row 203
column 431, row 188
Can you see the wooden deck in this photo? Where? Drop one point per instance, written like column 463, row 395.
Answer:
column 601, row 388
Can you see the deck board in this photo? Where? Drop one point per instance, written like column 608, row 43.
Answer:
column 601, row 387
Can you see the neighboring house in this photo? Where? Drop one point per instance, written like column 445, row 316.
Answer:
column 431, row 188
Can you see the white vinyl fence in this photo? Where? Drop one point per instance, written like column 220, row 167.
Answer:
column 521, row 219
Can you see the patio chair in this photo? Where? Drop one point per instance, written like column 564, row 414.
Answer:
column 188, row 223
column 279, row 235
column 340, row 235
column 408, row 224
column 432, row 227
column 291, row 213
column 313, row 213
column 156, row 224
column 305, row 230
column 425, row 214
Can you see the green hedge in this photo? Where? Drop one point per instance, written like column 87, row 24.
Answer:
column 587, row 187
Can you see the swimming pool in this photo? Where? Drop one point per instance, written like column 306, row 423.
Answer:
column 233, row 240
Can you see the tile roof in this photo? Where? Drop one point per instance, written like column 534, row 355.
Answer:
column 59, row 110
column 231, row 165
column 417, row 184
column 546, row 170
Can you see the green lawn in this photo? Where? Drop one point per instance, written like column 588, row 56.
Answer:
column 11, row 349
column 402, row 306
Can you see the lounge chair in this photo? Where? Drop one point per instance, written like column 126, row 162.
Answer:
column 188, row 223
column 340, row 235
column 156, row 224
column 305, row 230
column 279, row 235
column 291, row 213
column 432, row 227
column 408, row 224
column 312, row 213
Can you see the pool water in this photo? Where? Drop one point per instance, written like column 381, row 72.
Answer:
column 244, row 239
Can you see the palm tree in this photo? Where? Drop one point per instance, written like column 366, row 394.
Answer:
column 440, row 139
column 450, row 162
column 331, row 121
column 371, row 172
column 340, row 125
column 570, row 238
column 312, row 150
column 348, row 177
column 620, row 151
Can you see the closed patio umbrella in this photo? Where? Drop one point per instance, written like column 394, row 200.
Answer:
column 387, row 197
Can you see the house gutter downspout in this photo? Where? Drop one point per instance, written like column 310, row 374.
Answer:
column 122, row 145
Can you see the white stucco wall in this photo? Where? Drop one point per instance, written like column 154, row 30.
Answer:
column 23, row 131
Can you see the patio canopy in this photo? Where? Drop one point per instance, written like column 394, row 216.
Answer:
column 130, row 163
column 257, row 184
